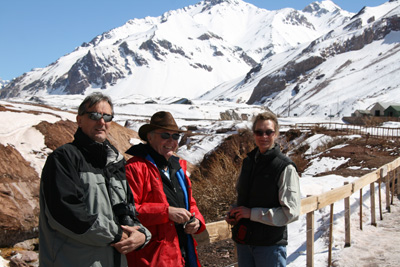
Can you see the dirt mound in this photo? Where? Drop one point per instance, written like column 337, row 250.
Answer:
column 19, row 197
column 214, row 180
column 57, row 134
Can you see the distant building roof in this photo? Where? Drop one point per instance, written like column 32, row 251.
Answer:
column 362, row 111
column 385, row 105
column 395, row 107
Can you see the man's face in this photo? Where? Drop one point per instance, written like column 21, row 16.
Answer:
column 164, row 147
column 96, row 130
column 264, row 134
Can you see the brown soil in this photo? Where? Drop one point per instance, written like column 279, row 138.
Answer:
column 217, row 254
column 366, row 153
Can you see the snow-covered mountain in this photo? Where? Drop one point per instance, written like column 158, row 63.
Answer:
column 3, row 83
column 351, row 67
column 318, row 60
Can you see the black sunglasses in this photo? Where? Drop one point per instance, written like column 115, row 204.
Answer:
column 261, row 133
column 97, row 116
column 166, row 136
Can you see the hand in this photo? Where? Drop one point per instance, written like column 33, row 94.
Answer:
column 230, row 219
column 178, row 215
column 192, row 227
column 240, row 213
column 131, row 239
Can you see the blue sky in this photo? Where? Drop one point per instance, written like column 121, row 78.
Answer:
column 33, row 34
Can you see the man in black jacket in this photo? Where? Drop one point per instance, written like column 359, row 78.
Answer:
column 86, row 213
column 268, row 199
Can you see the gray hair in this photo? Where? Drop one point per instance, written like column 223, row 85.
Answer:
column 266, row 116
column 92, row 100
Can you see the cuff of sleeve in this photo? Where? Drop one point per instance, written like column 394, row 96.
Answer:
column 147, row 234
column 257, row 214
column 118, row 236
column 253, row 214
column 200, row 224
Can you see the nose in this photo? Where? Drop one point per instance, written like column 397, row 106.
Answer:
column 101, row 121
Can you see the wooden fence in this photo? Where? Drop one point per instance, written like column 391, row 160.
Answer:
column 372, row 131
column 387, row 174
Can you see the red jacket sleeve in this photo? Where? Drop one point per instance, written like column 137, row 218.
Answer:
column 193, row 205
column 148, row 193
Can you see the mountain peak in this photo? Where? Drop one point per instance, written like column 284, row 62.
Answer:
column 217, row 2
column 326, row 6
column 211, row 3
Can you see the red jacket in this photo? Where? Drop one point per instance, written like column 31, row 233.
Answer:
column 152, row 206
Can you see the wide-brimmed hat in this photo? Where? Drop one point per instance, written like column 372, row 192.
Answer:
column 159, row 120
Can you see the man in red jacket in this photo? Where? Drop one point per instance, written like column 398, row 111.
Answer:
column 163, row 197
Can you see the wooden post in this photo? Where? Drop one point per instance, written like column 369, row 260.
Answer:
column 392, row 186
column 372, row 196
column 398, row 182
column 380, row 194
column 361, row 210
column 330, row 237
column 310, row 239
column 387, row 184
column 347, row 239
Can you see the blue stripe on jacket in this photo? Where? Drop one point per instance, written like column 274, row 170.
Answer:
column 182, row 182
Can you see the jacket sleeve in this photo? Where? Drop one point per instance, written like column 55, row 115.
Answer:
column 194, row 209
column 192, row 202
column 66, row 210
column 136, row 221
column 289, row 198
column 145, row 193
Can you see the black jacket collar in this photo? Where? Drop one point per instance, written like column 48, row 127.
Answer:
column 142, row 150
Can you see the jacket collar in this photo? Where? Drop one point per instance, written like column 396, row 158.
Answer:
column 142, row 150
column 104, row 152
column 270, row 154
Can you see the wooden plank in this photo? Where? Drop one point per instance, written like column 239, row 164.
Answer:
column 394, row 164
column 334, row 195
column 366, row 180
column 309, row 204
column 215, row 231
